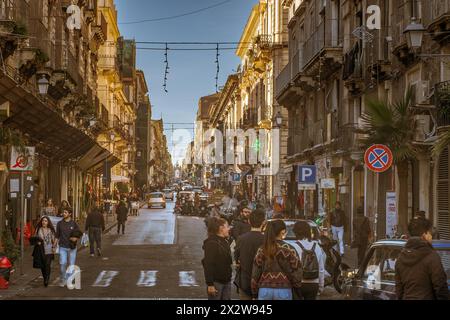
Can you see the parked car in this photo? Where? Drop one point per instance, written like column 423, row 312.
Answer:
column 375, row 280
column 156, row 199
column 169, row 194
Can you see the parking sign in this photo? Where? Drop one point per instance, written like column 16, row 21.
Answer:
column 307, row 174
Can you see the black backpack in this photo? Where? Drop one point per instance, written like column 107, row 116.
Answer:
column 310, row 263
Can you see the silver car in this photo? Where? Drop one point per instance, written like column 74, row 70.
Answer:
column 156, row 199
column 168, row 193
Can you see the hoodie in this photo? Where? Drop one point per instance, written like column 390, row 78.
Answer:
column 217, row 261
column 419, row 274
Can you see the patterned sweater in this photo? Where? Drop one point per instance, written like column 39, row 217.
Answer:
column 285, row 271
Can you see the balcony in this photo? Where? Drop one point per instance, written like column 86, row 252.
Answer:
column 321, row 52
column 100, row 30
column 439, row 23
column 348, row 140
column 121, row 128
column 250, row 119
column 442, row 102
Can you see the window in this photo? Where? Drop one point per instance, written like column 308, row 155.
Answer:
column 45, row 13
column 372, row 273
column 415, row 9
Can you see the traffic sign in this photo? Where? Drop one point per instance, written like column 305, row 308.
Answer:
column 307, row 174
column 22, row 161
column 378, row 158
column 236, row 179
column 249, row 178
column 216, row 172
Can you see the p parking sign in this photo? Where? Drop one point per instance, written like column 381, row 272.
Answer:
column 307, row 174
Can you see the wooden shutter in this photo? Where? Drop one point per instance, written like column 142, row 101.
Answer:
column 443, row 214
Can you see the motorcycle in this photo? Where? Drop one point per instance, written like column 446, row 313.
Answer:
column 203, row 208
column 334, row 266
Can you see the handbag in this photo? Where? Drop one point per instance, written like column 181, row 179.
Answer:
column 85, row 240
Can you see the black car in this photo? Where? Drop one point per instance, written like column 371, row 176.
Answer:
column 375, row 280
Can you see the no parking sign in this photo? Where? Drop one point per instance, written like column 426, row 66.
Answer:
column 378, row 158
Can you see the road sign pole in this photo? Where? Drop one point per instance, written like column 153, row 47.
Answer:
column 22, row 224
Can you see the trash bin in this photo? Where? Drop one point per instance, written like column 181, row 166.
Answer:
column 5, row 272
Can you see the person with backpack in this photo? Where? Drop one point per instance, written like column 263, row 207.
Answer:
column 277, row 270
column 312, row 258
column 337, row 221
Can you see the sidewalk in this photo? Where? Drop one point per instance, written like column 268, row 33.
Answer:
column 19, row 283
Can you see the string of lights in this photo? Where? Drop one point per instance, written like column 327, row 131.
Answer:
column 218, row 68
column 166, row 72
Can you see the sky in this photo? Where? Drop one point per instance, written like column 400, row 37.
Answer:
column 192, row 73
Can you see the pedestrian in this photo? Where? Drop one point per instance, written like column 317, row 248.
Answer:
column 435, row 231
column 362, row 234
column 241, row 224
column 46, row 234
column 217, row 260
column 277, row 269
column 50, row 209
column 245, row 252
column 67, row 234
column 122, row 216
column 419, row 274
column 337, row 221
column 95, row 226
column 312, row 258
column 64, row 205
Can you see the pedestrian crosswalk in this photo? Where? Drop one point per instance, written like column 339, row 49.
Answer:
column 146, row 279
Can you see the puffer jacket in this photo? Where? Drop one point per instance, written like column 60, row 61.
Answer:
column 419, row 274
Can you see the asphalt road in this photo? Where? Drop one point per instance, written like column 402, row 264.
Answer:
column 158, row 257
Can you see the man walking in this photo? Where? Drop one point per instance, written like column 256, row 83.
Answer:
column 337, row 226
column 67, row 233
column 362, row 234
column 241, row 224
column 122, row 216
column 95, row 225
column 245, row 252
column 419, row 274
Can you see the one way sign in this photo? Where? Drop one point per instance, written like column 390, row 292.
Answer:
column 306, row 174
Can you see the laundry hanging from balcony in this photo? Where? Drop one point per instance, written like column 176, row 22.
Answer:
column 351, row 61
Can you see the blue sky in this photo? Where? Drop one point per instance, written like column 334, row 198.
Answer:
column 191, row 73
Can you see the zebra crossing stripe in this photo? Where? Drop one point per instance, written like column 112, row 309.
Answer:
column 105, row 278
column 147, row 279
column 187, row 279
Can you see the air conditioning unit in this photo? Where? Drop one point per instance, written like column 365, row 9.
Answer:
column 423, row 130
column 420, row 92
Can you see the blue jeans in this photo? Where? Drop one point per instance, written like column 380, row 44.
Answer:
column 66, row 254
column 274, row 294
column 223, row 292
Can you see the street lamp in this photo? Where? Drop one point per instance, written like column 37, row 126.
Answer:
column 43, row 85
column 278, row 120
column 414, row 34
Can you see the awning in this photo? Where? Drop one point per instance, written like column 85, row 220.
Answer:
column 93, row 157
column 40, row 120
column 120, row 179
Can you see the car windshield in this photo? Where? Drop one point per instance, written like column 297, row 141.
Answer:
column 167, row 190
column 156, row 195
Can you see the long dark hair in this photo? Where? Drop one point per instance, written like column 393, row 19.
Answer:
column 272, row 231
column 49, row 225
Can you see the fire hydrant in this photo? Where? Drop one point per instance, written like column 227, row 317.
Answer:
column 5, row 272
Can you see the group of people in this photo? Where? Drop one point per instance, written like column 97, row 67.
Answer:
column 63, row 238
column 270, row 268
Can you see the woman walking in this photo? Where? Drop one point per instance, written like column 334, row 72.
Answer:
column 64, row 206
column 45, row 232
column 277, row 270
column 217, row 261
column 49, row 209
